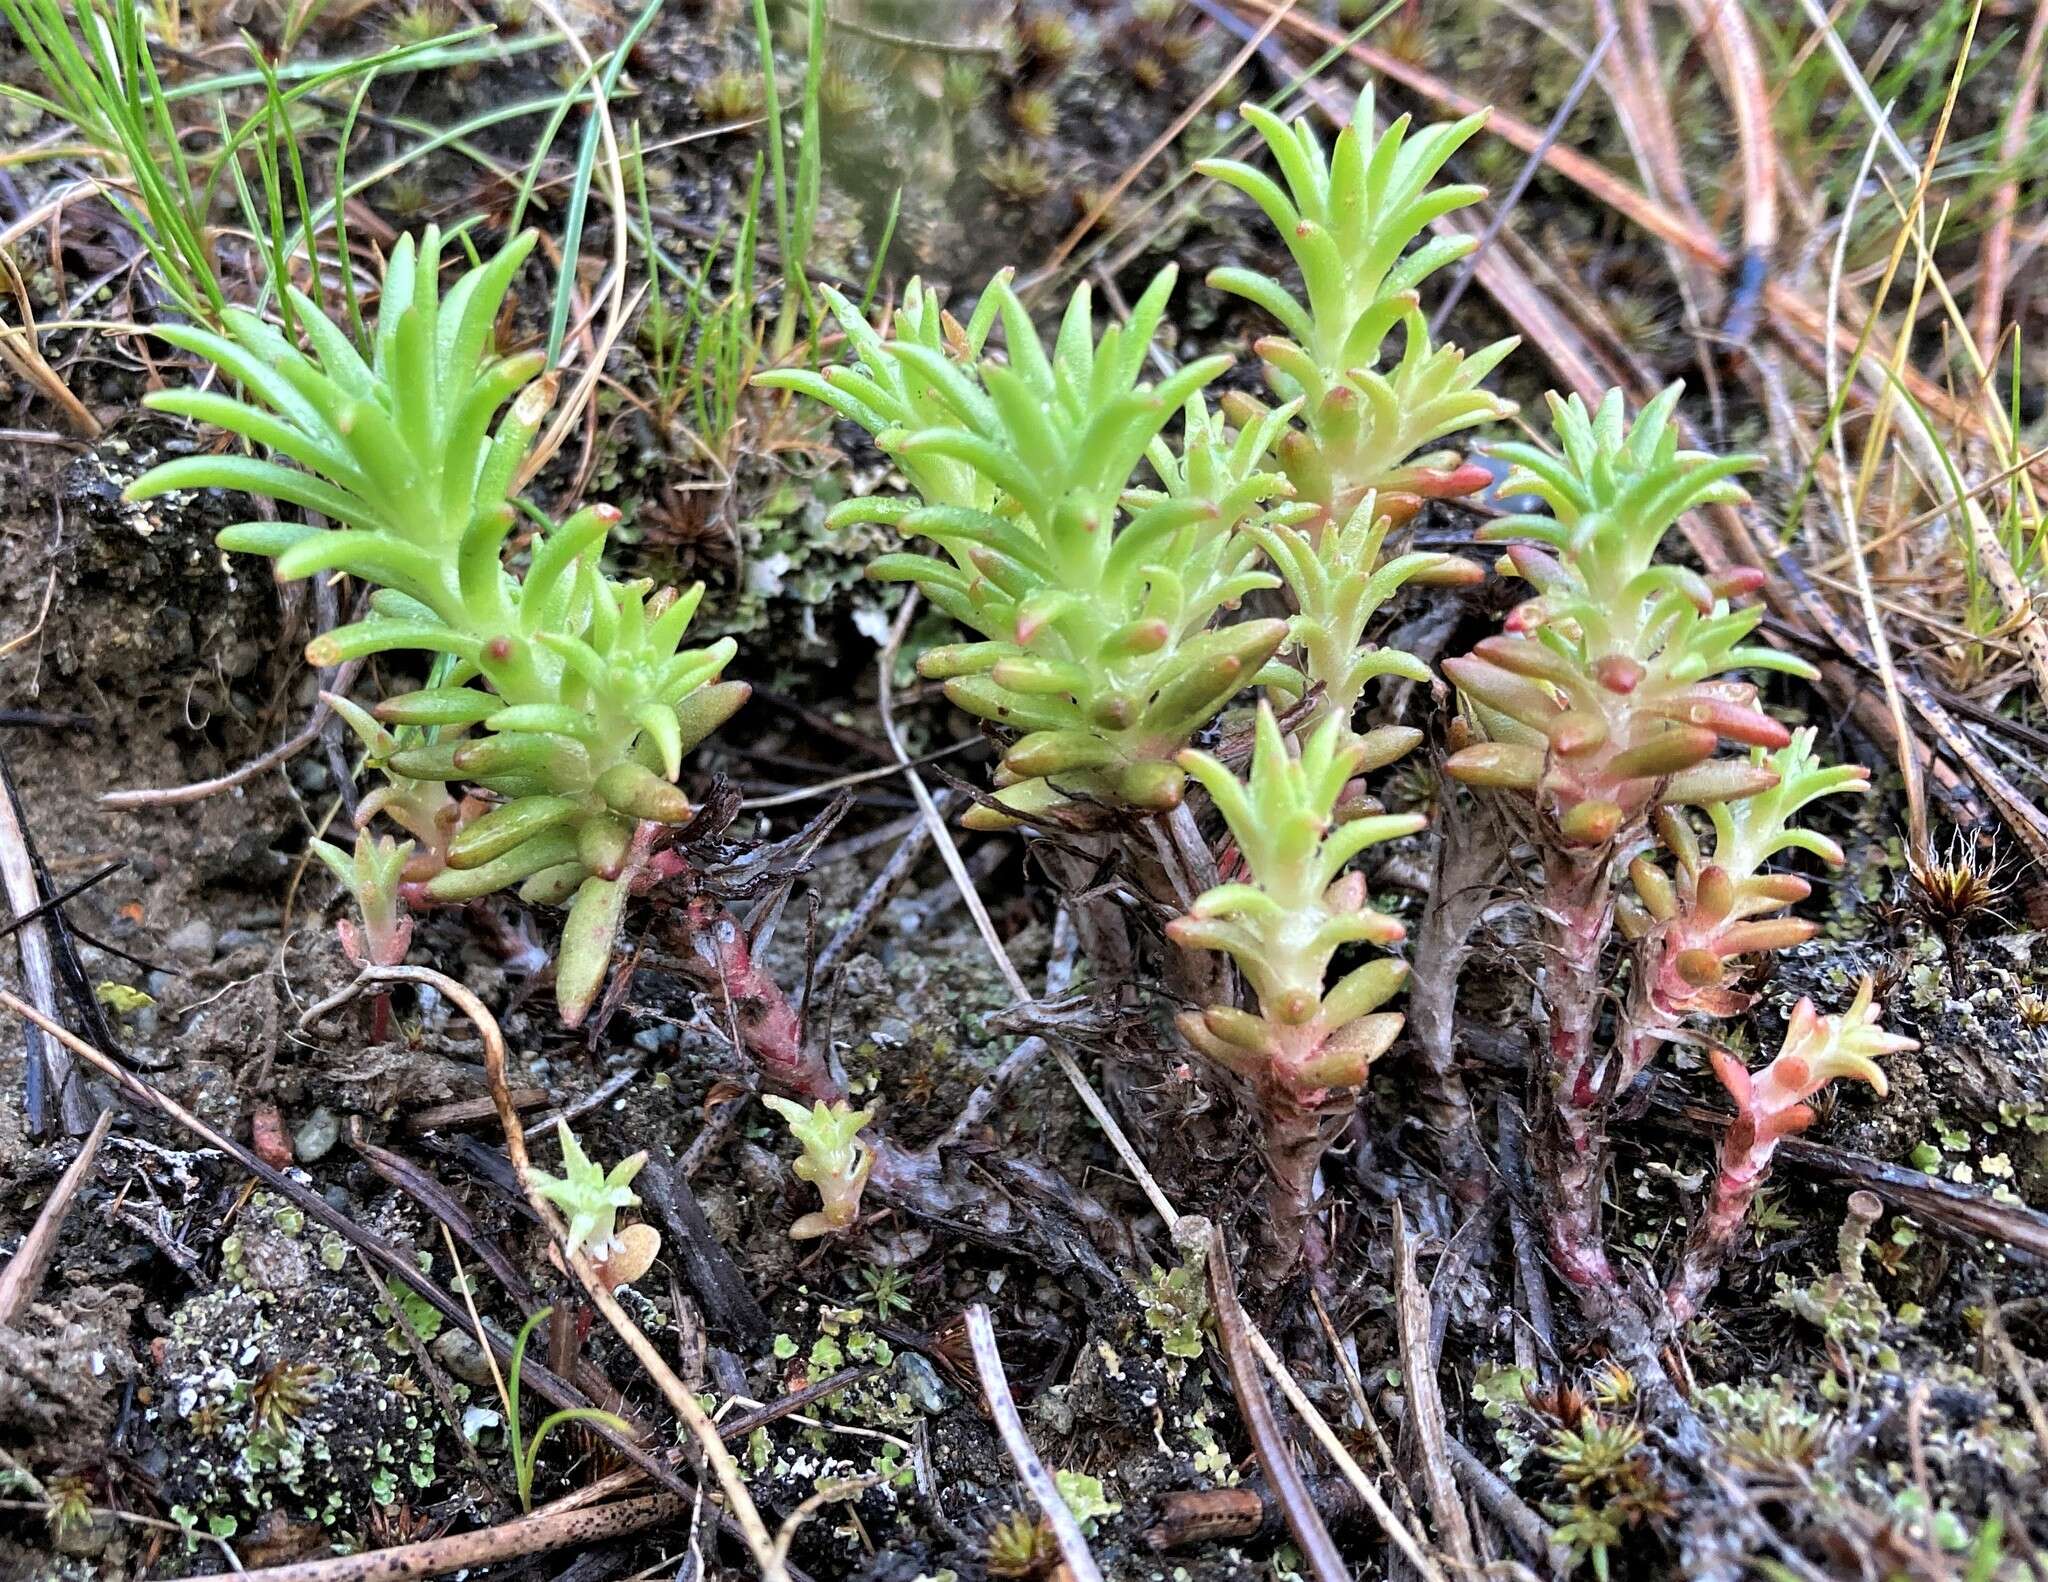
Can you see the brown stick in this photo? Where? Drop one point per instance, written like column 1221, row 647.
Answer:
column 1276, row 1455
column 1422, row 1432
column 1995, row 257
column 23, row 1276
column 537, row 1534
column 1038, row 1483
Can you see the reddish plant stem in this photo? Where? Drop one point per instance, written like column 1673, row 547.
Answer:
column 1297, row 1136
column 1708, row 1244
column 712, row 949
column 1571, row 1100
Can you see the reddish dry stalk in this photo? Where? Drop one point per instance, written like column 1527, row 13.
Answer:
column 1571, row 1100
column 713, row 951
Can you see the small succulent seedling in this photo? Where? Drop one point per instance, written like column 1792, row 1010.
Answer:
column 835, row 1160
column 1691, row 926
column 1283, row 923
column 581, row 689
column 1770, row 1105
column 1094, row 603
column 1349, row 216
column 589, row 1195
column 371, row 874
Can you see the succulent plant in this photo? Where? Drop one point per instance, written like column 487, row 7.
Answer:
column 1606, row 691
column 1714, row 911
column 589, row 1195
column 1289, row 908
column 584, row 697
column 372, row 874
column 1348, row 217
column 1094, row 602
column 1606, row 699
column 1338, row 584
column 1771, row 1105
column 834, row 1160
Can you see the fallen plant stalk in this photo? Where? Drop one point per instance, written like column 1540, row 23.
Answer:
column 541, row 1533
column 680, row 1399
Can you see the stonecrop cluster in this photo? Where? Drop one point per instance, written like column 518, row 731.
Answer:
column 562, row 697
column 1099, row 526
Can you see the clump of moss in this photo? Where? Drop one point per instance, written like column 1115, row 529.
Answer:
column 278, row 1390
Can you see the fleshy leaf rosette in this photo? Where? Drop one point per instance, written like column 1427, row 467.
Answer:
column 1093, row 601
column 834, row 1160
column 1286, row 919
column 1714, row 909
column 1771, row 1105
column 1348, row 217
column 1608, row 689
column 566, row 696
column 589, row 1195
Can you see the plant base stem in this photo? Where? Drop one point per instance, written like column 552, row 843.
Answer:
column 713, row 951
column 1571, row 1101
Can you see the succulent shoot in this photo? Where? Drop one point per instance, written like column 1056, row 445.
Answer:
column 1770, row 1105
column 834, row 1160
column 1606, row 692
column 1287, row 911
column 589, row 1195
column 1338, row 584
column 564, row 695
column 1714, row 910
column 372, row 874
column 1093, row 602
column 1606, row 698
column 1348, row 216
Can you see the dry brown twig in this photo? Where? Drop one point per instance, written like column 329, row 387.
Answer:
column 1424, row 1428
column 1038, row 1483
column 23, row 1276
column 1275, row 1454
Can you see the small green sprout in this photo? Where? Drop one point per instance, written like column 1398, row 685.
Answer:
column 589, row 1195
column 835, row 1160
column 1349, row 216
column 371, row 874
column 526, row 1452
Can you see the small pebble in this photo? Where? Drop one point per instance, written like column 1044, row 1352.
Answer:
column 194, row 942
column 316, row 1136
column 266, row 1137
